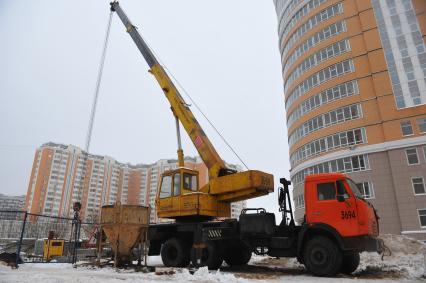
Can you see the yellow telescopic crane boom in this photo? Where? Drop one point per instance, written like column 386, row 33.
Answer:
column 180, row 109
column 178, row 196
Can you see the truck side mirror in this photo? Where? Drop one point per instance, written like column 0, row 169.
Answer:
column 340, row 198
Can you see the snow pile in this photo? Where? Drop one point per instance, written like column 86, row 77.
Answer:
column 408, row 259
column 177, row 275
column 204, row 275
column 407, row 262
column 200, row 275
column 290, row 262
column 65, row 273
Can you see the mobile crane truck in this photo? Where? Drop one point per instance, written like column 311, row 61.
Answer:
column 338, row 225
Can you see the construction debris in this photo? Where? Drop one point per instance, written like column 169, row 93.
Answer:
column 10, row 259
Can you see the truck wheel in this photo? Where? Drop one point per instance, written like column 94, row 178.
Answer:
column 350, row 263
column 239, row 254
column 322, row 257
column 175, row 253
column 210, row 256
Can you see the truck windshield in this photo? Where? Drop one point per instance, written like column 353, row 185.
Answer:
column 355, row 189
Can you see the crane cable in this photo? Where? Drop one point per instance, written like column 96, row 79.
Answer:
column 92, row 116
column 205, row 116
column 93, row 110
column 196, row 106
column 98, row 84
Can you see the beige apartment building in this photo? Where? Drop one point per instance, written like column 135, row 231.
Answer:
column 11, row 203
column 354, row 75
column 64, row 174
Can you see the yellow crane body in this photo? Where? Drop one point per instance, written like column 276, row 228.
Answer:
column 193, row 204
column 179, row 195
column 241, row 186
column 213, row 199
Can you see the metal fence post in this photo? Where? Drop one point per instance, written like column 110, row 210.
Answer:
column 74, row 252
column 99, row 255
column 70, row 250
column 18, row 248
column 77, row 226
column 78, row 239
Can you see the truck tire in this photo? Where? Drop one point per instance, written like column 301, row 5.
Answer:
column 175, row 253
column 322, row 257
column 210, row 256
column 350, row 263
column 239, row 254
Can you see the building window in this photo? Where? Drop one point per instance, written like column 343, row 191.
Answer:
column 348, row 164
column 412, row 157
column 311, row 23
column 366, row 189
column 299, row 201
column 314, row 40
column 328, row 143
column 324, row 54
column 328, row 73
column 406, row 128
column 418, row 185
column 335, row 93
column 287, row 24
column 404, row 50
column 422, row 217
column 335, row 116
column 290, row 5
column 421, row 123
column 424, row 151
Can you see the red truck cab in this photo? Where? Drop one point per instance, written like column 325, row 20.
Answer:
column 335, row 200
column 339, row 224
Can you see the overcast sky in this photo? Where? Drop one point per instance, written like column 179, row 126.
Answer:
column 224, row 52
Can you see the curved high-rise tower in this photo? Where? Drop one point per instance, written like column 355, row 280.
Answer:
column 354, row 76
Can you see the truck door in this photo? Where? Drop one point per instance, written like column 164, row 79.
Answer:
column 189, row 199
column 327, row 209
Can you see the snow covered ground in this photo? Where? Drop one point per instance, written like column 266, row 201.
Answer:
column 407, row 264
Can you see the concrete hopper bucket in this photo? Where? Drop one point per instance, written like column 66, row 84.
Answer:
column 125, row 226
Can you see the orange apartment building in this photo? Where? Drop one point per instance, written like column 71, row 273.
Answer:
column 354, row 75
column 64, row 174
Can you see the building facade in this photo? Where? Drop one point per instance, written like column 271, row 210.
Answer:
column 64, row 174
column 11, row 203
column 354, row 75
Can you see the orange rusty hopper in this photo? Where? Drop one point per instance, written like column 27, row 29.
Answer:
column 125, row 226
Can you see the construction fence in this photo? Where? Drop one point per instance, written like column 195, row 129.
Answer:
column 44, row 238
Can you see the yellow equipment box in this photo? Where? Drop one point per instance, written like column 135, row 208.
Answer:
column 52, row 248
